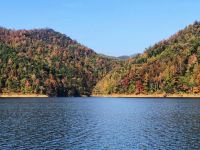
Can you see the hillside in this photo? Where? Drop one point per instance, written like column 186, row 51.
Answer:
column 47, row 62
column 170, row 66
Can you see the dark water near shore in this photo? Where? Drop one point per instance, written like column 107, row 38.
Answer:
column 99, row 123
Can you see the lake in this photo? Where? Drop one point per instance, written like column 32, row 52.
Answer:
column 99, row 123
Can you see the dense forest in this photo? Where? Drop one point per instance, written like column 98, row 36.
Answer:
column 47, row 62
column 170, row 66
column 44, row 61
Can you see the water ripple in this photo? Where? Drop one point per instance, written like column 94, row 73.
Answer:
column 92, row 123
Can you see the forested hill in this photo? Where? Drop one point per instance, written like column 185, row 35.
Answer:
column 46, row 62
column 170, row 66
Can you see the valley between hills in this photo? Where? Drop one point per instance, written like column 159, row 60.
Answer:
column 43, row 62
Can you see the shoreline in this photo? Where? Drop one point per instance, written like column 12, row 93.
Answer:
column 149, row 96
column 15, row 95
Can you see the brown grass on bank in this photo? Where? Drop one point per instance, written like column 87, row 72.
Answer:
column 150, row 95
column 21, row 95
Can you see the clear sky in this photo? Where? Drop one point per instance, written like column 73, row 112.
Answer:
column 112, row 27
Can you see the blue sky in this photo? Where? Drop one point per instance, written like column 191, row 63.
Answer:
column 112, row 27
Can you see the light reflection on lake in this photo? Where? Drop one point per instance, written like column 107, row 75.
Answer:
column 99, row 123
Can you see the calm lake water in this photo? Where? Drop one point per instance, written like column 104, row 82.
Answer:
column 99, row 123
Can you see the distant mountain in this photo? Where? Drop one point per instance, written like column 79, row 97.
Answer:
column 170, row 66
column 124, row 57
column 44, row 61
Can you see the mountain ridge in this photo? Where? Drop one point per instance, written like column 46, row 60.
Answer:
column 170, row 66
column 43, row 61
